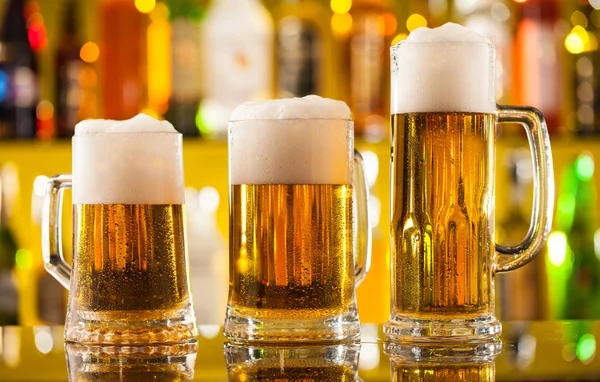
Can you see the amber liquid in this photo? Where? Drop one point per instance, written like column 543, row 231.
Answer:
column 130, row 262
column 291, row 250
column 484, row 372
column 442, row 214
column 299, row 373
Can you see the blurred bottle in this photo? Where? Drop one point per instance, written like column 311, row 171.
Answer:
column 518, row 293
column 18, row 76
column 573, row 249
column 123, row 41
column 304, row 49
column 582, row 44
column 8, row 250
column 494, row 20
column 186, row 65
column 367, row 51
column 208, row 255
column 237, row 52
column 71, row 71
column 583, row 287
column 537, row 66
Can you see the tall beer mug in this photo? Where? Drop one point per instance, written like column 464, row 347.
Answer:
column 443, row 255
column 294, row 187
column 129, row 281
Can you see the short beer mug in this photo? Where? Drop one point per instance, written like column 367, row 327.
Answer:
column 294, row 191
column 443, row 255
column 129, row 280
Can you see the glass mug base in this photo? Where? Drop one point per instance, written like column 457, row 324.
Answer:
column 344, row 326
column 402, row 329
column 130, row 328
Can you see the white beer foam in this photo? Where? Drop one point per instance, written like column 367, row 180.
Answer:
column 137, row 161
column 291, row 141
column 309, row 107
column 445, row 69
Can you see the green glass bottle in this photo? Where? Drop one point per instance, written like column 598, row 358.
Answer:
column 572, row 257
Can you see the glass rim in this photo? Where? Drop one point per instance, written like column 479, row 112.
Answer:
column 407, row 43
column 120, row 133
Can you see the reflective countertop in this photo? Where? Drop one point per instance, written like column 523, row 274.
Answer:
column 541, row 350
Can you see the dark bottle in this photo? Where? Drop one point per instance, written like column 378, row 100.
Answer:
column 8, row 251
column 303, row 48
column 186, row 64
column 18, row 76
column 68, row 71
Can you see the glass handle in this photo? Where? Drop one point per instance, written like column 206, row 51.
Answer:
column 513, row 257
column 54, row 261
column 362, row 246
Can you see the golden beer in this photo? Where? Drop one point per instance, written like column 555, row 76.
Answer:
column 469, row 372
column 128, row 281
column 303, row 371
column 298, row 222
column 135, row 255
column 442, row 220
column 443, row 254
column 291, row 250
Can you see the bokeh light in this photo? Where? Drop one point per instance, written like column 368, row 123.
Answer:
column 557, row 248
column 160, row 12
column 145, row 6
column 586, row 348
column 584, row 166
column 415, row 21
column 341, row 6
column 89, row 52
column 341, row 24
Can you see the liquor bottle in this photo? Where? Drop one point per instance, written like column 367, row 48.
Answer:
column 237, row 46
column 68, row 66
column 518, row 293
column 18, row 76
column 8, row 251
column 366, row 49
column 537, row 69
column 122, row 27
column 303, row 49
column 583, row 286
column 186, row 66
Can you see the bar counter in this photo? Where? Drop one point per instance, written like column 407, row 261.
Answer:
column 539, row 350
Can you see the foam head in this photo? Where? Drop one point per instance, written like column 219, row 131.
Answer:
column 137, row 161
column 291, row 141
column 445, row 69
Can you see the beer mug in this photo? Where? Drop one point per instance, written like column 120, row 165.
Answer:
column 443, row 255
column 460, row 362
column 294, row 186
column 131, row 363
column 129, row 281
column 292, row 363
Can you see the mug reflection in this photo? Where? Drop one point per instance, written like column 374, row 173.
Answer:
column 443, row 362
column 131, row 363
column 338, row 362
